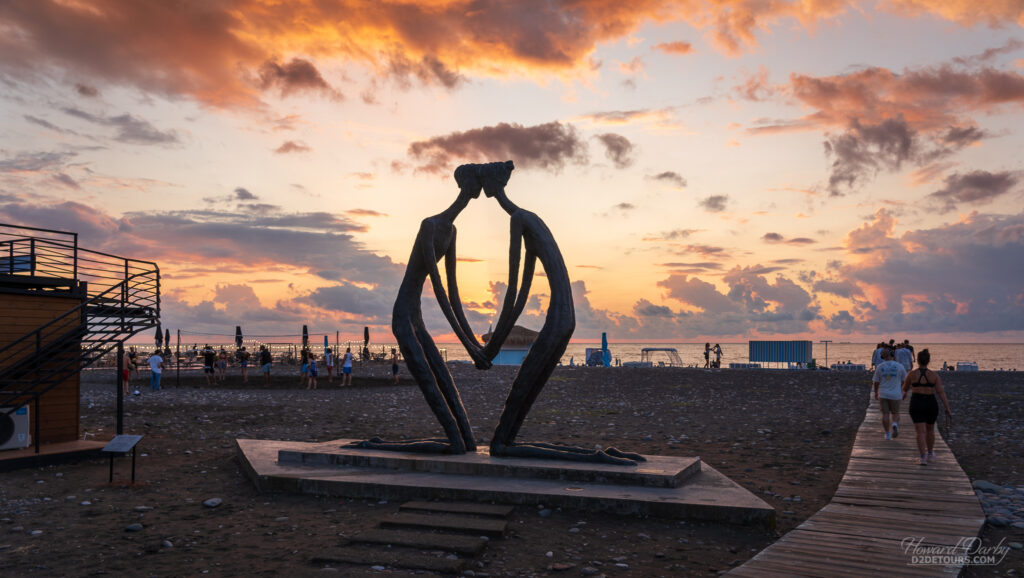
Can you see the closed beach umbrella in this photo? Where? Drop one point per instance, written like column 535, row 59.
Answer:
column 606, row 356
column 366, row 336
column 159, row 338
column 238, row 335
column 604, row 341
column 305, row 336
column 167, row 337
column 326, row 343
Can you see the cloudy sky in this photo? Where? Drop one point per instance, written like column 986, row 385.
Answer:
column 711, row 169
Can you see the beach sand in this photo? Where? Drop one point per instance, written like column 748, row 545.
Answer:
column 784, row 435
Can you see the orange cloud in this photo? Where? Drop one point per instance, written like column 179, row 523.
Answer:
column 678, row 48
column 229, row 53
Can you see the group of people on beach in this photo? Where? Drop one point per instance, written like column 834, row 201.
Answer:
column 894, row 379
column 310, row 370
column 716, row 351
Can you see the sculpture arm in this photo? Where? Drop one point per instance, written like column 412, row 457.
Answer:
column 508, row 316
column 430, row 261
column 450, row 260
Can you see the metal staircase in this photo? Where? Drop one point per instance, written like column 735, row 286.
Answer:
column 119, row 298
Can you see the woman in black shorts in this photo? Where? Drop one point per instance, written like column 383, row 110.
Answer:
column 394, row 364
column 925, row 384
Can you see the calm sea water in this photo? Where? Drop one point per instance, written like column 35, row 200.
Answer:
column 988, row 356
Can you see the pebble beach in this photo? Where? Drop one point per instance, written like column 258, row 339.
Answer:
column 784, row 435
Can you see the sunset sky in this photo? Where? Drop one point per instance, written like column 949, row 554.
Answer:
column 711, row 169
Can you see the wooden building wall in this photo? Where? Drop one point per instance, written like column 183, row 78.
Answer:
column 59, row 408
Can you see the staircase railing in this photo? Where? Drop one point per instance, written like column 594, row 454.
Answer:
column 121, row 297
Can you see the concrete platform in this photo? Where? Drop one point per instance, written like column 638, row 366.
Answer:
column 701, row 492
column 657, row 471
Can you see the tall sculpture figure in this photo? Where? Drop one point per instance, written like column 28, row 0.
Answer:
column 436, row 239
column 528, row 231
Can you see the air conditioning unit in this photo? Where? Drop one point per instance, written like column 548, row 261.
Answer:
column 14, row 428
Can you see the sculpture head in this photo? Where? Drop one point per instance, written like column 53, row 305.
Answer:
column 495, row 176
column 468, row 179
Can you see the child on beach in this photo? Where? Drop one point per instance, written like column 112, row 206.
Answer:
column 312, row 372
column 304, row 368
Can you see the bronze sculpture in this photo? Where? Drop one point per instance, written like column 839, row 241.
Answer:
column 529, row 232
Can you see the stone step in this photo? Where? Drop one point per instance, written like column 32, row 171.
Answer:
column 448, row 522
column 398, row 559
column 471, row 545
column 469, row 508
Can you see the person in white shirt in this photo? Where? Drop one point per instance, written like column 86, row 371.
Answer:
column 156, row 367
column 888, row 381
column 346, row 368
column 904, row 356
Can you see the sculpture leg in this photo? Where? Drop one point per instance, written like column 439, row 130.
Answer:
column 446, row 385
column 537, row 367
column 416, row 358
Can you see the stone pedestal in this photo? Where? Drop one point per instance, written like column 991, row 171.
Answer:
column 664, row 486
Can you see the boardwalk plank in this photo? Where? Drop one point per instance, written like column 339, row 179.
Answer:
column 883, row 498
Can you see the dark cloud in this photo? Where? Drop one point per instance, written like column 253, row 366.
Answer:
column 296, row 75
column 243, row 194
column 704, row 250
column 547, row 146
column 618, row 149
column 66, row 181
column 624, row 207
column 130, row 129
column 86, row 90
column 974, row 188
column 964, row 277
column 860, row 152
column 714, row 203
column 669, row 177
column 35, row 162
column 367, row 304
column 292, row 147
column 672, row 235
column 674, row 47
column 429, row 70
column 801, row 241
column 698, row 265
column 1012, row 45
column 772, row 238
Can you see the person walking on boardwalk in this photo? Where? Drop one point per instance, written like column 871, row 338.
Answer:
column 265, row 361
column 888, row 381
column 924, row 385
column 394, row 364
column 707, row 355
column 904, row 356
column 718, row 355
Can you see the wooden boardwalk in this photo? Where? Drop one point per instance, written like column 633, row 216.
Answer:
column 884, row 498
